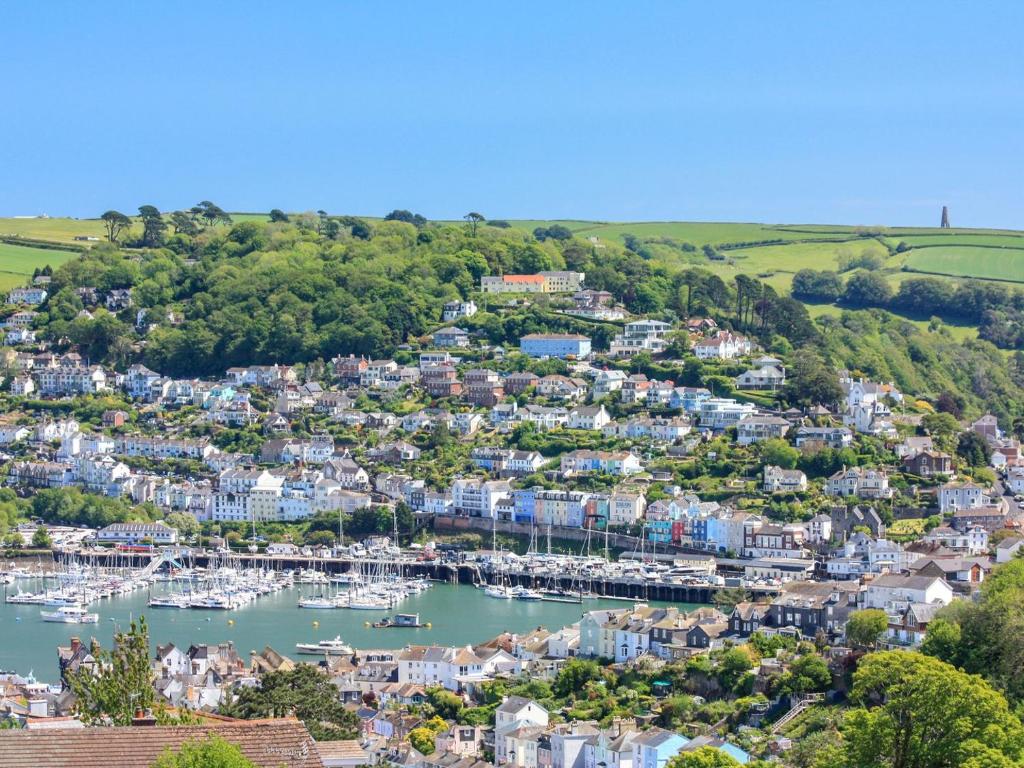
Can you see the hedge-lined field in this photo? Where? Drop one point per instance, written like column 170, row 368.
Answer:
column 969, row 261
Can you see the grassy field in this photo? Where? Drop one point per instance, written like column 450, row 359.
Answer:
column 57, row 230
column 776, row 264
column 969, row 261
column 699, row 233
column 994, row 241
column 18, row 262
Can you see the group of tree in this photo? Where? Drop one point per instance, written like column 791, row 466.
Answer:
column 983, row 636
column 154, row 226
column 304, row 692
column 996, row 309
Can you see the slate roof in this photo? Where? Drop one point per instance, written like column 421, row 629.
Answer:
column 267, row 743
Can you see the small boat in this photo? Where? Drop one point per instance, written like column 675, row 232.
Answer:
column 522, row 593
column 70, row 614
column 317, row 602
column 26, row 598
column 368, row 604
column 333, row 647
column 168, row 602
column 405, row 620
column 499, row 592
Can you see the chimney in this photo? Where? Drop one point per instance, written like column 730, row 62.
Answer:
column 38, row 708
column 143, row 718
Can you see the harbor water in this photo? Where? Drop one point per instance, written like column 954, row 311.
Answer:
column 458, row 615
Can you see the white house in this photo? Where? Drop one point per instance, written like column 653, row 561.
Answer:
column 515, row 712
column 956, row 496
column 896, row 592
column 588, row 417
column 135, row 533
column 779, row 480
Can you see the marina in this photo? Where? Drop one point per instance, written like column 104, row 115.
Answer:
column 450, row 614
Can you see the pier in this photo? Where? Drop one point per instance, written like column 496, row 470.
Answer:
column 626, row 588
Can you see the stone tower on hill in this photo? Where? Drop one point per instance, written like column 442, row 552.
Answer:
column 945, row 217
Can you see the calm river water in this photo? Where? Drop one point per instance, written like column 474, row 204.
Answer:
column 458, row 615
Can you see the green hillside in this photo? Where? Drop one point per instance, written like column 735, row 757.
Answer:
column 771, row 252
column 17, row 262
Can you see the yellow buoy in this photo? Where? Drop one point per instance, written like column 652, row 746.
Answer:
column 231, row 622
column 428, row 625
column 366, row 623
column 316, row 623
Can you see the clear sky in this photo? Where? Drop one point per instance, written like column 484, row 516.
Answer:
column 860, row 112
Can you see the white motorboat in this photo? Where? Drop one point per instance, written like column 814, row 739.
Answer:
column 333, row 647
column 56, row 600
column 26, row 598
column 522, row 593
column 499, row 592
column 70, row 614
column 171, row 601
column 368, row 604
column 317, row 602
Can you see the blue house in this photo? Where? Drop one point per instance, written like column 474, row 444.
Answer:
column 524, row 504
column 699, row 531
column 737, row 754
column 555, row 345
column 654, row 748
column 688, row 398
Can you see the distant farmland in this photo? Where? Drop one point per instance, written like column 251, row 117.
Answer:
column 990, row 263
column 17, row 262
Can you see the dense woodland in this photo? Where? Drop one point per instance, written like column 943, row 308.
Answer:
column 309, row 287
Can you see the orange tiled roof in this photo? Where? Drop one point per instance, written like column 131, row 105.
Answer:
column 267, row 743
column 523, row 278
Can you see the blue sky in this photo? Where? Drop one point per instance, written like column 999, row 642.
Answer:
column 872, row 112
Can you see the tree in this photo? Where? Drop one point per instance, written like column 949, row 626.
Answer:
column 867, row 289
column 407, row 216
column 304, row 692
column 942, row 427
column 362, row 230
column 445, row 703
column 120, row 682
column 973, row 449
column 733, row 665
column 153, row 226
column 950, row 402
column 211, row 752
column 943, row 641
column 277, row 215
column 777, row 452
column 807, row 674
column 184, row 224
column 811, row 381
column 474, row 219
column 919, row 712
column 183, row 522
column 422, row 740
column 41, row 538
column 210, row 213
column 821, row 286
column 703, row 757
column 319, row 539
column 864, row 628
column 115, row 223
column 574, row 675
